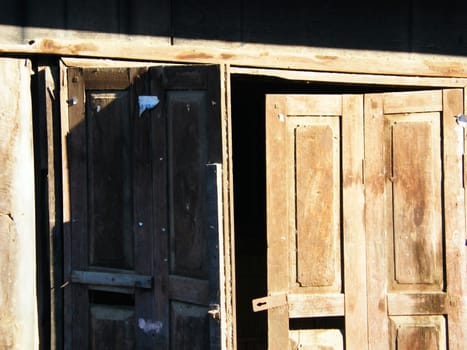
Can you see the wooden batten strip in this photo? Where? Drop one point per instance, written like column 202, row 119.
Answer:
column 301, row 105
column 414, row 101
column 117, row 279
column 417, row 304
column 315, row 305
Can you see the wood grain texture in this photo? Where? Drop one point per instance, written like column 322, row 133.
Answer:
column 76, row 299
column 141, row 207
column 310, row 339
column 417, row 224
column 19, row 325
column 187, row 157
column 48, row 89
column 191, row 103
column 417, row 304
column 329, row 77
column 316, row 305
column 354, row 231
column 317, row 197
column 248, row 55
column 418, row 101
column 277, row 219
column 454, row 217
column 228, row 298
column 304, row 105
column 420, row 269
column 111, row 240
column 159, row 210
column 376, row 248
column 418, row 332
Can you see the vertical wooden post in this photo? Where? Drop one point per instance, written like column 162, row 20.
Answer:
column 18, row 311
column 356, row 326
column 454, row 216
column 374, row 168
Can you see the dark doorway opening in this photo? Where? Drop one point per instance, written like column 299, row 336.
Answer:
column 249, row 169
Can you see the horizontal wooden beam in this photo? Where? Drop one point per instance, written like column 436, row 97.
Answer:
column 351, row 78
column 246, row 55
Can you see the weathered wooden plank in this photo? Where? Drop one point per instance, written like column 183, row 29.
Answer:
column 252, row 55
column 158, row 210
column 376, row 247
column 228, row 286
column 19, row 325
column 417, row 304
column 65, row 168
column 48, row 90
column 76, row 240
column 117, row 279
column 367, row 79
column 317, row 164
column 315, row 305
column 277, row 218
column 143, row 162
column 354, row 233
column 417, row 101
column 453, row 146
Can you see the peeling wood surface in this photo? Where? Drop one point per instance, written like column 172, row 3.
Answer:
column 18, row 312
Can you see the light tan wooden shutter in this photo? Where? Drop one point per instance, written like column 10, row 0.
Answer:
column 314, row 162
column 415, row 219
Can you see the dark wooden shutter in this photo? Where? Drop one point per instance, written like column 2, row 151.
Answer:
column 142, row 224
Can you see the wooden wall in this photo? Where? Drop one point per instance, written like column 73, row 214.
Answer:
column 410, row 26
column 18, row 310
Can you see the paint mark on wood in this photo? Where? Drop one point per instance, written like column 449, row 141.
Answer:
column 148, row 326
